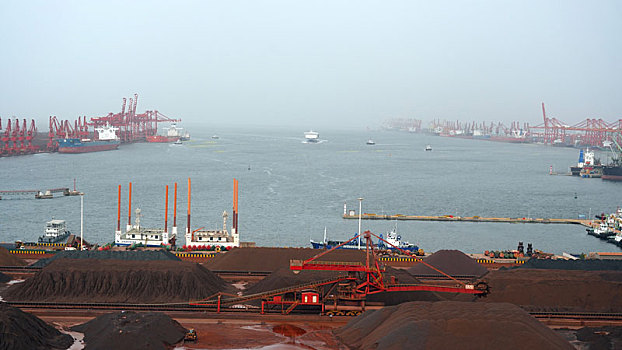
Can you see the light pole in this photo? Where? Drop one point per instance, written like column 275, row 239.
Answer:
column 81, row 220
column 360, row 206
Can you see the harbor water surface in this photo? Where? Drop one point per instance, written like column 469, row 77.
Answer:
column 290, row 191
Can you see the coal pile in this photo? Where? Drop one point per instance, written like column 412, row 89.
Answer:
column 400, row 276
column 8, row 259
column 605, row 338
column 21, row 330
column 452, row 262
column 557, row 290
column 4, row 278
column 585, row 265
column 449, row 325
column 79, row 280
column 131, row 330
column 284, row 277
column 273, row 259
column 108, row 254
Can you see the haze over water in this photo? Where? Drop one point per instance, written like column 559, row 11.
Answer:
column 290, row 191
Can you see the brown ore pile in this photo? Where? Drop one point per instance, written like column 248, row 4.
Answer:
column 452, row 262
column 556, row 290
column 21, row 330
column 449, row 325
column 84, row 280
column 8, row 259
column 131, row 330
column 272, row 259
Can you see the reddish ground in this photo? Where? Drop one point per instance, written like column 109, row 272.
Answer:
column 251, row 333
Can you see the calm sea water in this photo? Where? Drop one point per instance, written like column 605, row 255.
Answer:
column 290, row 191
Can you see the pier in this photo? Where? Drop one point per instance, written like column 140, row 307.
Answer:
column 38, row 194
column 451, row 218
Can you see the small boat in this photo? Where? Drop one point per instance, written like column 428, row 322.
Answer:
column 428, row 148
column 371, row 142
column 215, row 137
column 312, row 136
column 178, row 142
column 55, row 232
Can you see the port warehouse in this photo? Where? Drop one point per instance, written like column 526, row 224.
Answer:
column 18, row 137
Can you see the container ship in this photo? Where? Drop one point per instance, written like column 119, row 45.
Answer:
column 106, row 140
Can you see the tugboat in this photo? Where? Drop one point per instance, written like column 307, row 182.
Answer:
column 55, row 232
column 396, row 241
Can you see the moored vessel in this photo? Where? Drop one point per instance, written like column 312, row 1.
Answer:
column 106, row 140
column 173, row 134
column 55, row 232
column 136, row 234
column 215, row 239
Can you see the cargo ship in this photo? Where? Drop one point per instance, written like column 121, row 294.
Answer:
column 394, row 241
column 612, row 172
column 173, row 134
column 106, row 140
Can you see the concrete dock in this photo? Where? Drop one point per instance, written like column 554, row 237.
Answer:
column 368, row 216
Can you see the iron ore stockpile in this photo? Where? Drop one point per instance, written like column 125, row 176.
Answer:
column 141, row 281
column 131, row 330
column 558, row 289
column 452, row 262
column 8, row 259
column 106, row 255
column 20, row 330
column 4, row 278
column 449, row 325
column 272, row 259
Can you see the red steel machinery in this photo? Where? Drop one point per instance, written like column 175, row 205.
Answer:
column 133, row 127
column 16, row 139
column 346, row 293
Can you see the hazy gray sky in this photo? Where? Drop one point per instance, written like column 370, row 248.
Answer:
column 313, row 63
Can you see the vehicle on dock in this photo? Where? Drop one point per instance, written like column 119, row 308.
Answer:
column 55, row 232
column 191, row 335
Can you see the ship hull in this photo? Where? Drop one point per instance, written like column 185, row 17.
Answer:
column 77, row 146
column 162, row 139
column 612, row 172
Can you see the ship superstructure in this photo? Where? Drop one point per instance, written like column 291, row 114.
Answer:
column 135, row 234
column 215, row 239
